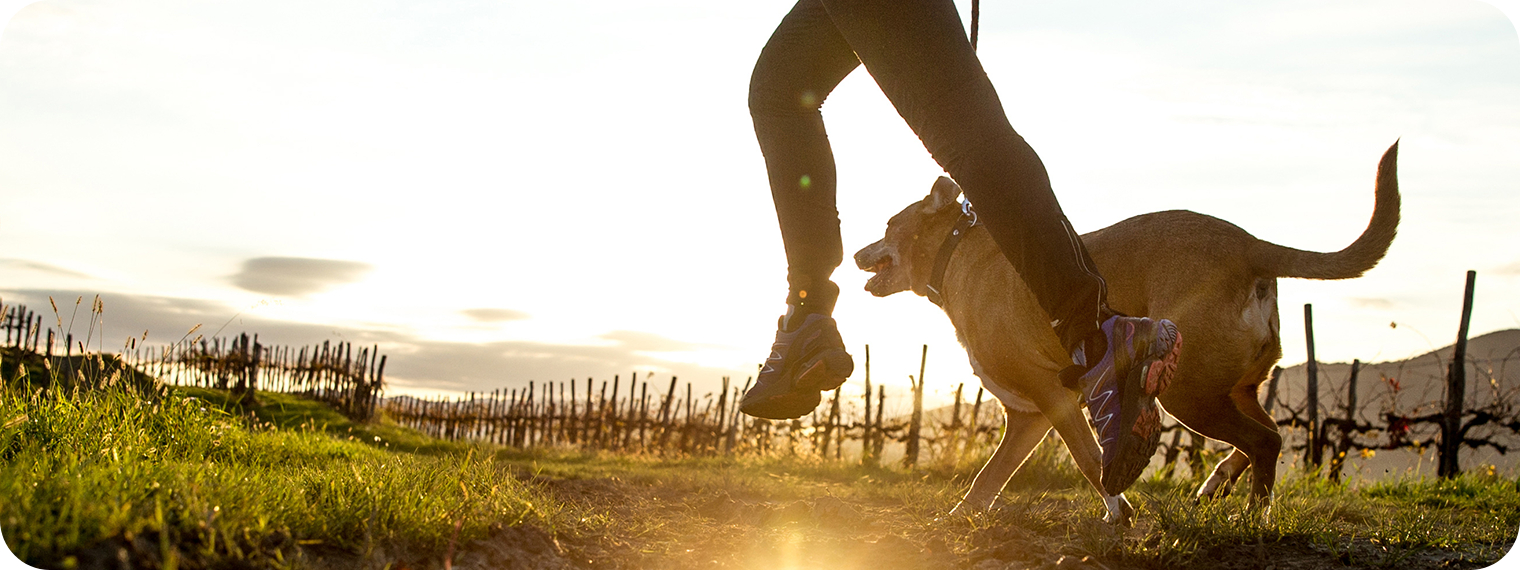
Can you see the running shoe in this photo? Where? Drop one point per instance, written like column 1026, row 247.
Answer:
column 1121, row 394
column 803, row 362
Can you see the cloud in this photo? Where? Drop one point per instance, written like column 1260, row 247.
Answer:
column 297, row 276
column 494, row 315
column 166, row 319
column 44, row 268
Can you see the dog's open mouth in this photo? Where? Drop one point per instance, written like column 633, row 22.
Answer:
column 880, row 264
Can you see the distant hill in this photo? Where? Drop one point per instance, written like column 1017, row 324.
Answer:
column 1493, row 369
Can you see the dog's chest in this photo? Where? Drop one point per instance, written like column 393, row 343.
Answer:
column 1005, row 394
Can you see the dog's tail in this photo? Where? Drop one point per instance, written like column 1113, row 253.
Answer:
column 1364, row 253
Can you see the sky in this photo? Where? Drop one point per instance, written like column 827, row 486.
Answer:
column 499, row 192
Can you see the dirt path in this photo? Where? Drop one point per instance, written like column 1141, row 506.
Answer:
column 733, row 520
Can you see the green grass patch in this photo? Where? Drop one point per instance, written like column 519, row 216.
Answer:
column 208, row 486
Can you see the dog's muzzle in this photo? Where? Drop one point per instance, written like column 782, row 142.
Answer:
column 879, row 260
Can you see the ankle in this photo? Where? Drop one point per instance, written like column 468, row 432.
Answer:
column 1087, row 353
column 815, row 300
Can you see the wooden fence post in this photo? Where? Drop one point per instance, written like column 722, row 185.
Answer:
column 915, row 423
column 881, row 434
column 1348, row 427
column 866, row 449
column 1456, row 390
column 969, row 443
column 1316, row 450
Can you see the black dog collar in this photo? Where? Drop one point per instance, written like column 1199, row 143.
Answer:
column 942, row 259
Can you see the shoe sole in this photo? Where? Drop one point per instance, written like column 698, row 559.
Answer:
column 1135, row 451
column 787, row 406
column 827, row 372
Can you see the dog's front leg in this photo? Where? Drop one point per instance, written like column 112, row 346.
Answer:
column 1119, row 510
column 1024, row 430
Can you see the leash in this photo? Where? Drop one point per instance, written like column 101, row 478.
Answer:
column 962, row 226
column 976, row 16
column 968, row 216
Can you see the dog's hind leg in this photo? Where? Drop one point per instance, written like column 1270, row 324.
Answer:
column 1255, row 444
column 1264, row 472
column 1024, row 431
column 1222, row 480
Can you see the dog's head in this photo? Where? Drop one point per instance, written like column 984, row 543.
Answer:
column 902, row 259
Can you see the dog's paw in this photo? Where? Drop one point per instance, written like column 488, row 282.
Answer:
column 969, row 507
column 1120, row 512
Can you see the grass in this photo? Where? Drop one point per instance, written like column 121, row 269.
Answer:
column 183, row 481
column 193, row 478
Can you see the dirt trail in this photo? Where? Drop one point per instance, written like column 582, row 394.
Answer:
column 655, row 525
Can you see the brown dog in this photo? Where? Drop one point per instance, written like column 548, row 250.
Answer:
column 1214, row 280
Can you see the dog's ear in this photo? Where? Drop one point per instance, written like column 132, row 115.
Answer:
column 942, row 195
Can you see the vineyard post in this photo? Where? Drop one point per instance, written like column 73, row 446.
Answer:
column 601, row 415
column 575, row 416
column 955, row 426
column 533, row 417
column 1312, row 368
column 666, row 408
column 721, row 435
column 1347, row 428
column 489, row 423
column 551, row 408
column 508, row 417
column 915, row 425
column 865, row 436
column 510, row 437
column 686, row 429
column 347, row 377
column 474, row 418
column 703, row 430
column 586, row 433
column 630, row 425
column 612, row 419
column 813, row 439
column 826, row 433
column 1456, row 389
column 253, row 368
column 881, row 434
column 378, row 383
column 839, row 433
column 733, row 430
column 644, row 416
column 968, row 444
column 565, row 414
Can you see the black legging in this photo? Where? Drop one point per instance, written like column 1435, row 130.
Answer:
column 919, row 55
